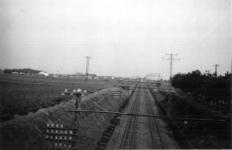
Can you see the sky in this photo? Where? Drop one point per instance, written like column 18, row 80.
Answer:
column 122, row 37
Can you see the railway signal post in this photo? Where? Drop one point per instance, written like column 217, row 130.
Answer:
column 58, row 135
column 77, row 96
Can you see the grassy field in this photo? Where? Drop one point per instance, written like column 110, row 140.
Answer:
column 194, row 134
column 20, row 94
column 27, row 132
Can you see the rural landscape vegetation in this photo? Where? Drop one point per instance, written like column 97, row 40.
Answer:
column 25, row 93
column 78, row 75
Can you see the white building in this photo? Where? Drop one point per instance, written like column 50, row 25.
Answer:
column 44, row 73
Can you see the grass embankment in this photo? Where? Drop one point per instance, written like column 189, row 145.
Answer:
column 26, row 132
column 194, row 134
column 20, row 94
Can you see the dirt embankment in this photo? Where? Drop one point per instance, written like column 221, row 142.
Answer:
column 26, row 132
column 189, row 133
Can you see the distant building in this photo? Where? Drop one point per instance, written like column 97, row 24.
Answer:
column 77, row 76
column 82, row 76
column 15, row 72
column 59, row 75
column 44, row 74
column 92, row 76
column 106, row 77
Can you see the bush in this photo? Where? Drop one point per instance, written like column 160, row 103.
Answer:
column 206, row 84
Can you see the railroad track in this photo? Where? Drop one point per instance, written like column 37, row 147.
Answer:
column 129, row 136
column 156, row 137
column 141, row 98
column 102, row 143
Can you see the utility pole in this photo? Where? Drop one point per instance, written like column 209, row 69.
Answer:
column 171, row 58
column 216, row 66
column 87, row 67
column 231, row 66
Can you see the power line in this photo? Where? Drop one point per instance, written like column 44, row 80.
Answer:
column 218, row 119
column 87, row 67
column 172, row 59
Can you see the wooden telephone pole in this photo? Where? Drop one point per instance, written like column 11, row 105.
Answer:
column 171, row 58
column 87, row 67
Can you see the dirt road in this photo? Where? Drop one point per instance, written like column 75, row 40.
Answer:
column 142, row 132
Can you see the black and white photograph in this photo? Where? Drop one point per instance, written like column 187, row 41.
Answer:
column 115, row 74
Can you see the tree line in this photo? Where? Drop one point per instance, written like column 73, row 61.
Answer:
column 204, row 83
column 25, row 70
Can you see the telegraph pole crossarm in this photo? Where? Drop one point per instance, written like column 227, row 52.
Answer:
column 171, row 58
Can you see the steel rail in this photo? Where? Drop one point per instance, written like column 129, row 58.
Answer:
column 154, row 127
column 129, row 137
